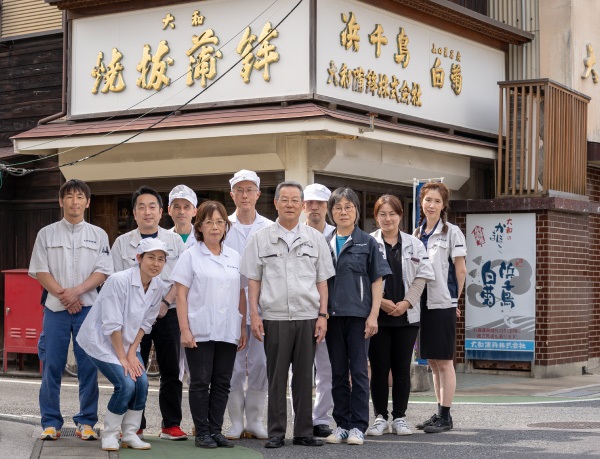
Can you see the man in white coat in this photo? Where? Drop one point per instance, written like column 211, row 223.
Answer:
column 147, row 211
column 245, row 221
column 183, row 204
column 315, row 209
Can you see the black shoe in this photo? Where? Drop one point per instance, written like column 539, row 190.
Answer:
column 275, row 442
column 221, row 441
column 440, row 425
column 308, row 441
column 322, row 430
column 205, row 441
column 429, row 422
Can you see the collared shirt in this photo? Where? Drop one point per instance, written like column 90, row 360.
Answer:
column 443, row 248
column 121, row 305
column 288, row 275
column 415, row 263
column 125, row 248
column 191, row 239
column 214, row 292
column 70, row 253
column 288, row 235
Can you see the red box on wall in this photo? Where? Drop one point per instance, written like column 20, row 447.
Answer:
column 23, row 314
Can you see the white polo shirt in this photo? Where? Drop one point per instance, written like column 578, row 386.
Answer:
column 214, row 284
column 121, row 305
column 70, row 253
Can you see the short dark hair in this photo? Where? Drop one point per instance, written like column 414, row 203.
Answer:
column 289, row 183
column 206, row 209
column 74, row 185
column 145, row 190
column 340, row 193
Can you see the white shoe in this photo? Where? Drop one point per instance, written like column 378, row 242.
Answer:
column 254, row 407
column 129, row 427
column 235, row 408
column 401, row 427
column 338, row 435
column 355, row 437
column 111, row 431
column 379, row 427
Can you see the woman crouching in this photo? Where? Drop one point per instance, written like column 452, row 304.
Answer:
column 211, row 308
column 123, row 312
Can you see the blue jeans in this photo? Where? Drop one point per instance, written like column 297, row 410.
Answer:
column 53, row 347
column 128, row 394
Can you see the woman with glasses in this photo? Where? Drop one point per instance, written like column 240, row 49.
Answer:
column 354, row 299
column 392, row 348
column 445, row 244
column 211, row 308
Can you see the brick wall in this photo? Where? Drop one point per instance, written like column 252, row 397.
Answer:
column 593, row 191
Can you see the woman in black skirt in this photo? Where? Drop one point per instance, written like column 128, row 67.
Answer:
column 445, row 244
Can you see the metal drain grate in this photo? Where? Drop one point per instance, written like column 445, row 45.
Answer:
column 566, row 425
column 69, row 432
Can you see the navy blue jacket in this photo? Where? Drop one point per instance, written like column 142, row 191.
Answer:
column 359, row 264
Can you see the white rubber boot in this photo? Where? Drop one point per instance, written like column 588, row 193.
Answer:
column 235, row 408
column 129, row 426
column 255, row 406
column 111, row 431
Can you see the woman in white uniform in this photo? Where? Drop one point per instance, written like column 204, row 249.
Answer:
column 446, row 247
column 121, row 315
column 211, row 308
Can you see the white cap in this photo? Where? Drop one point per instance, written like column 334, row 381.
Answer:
column 316, row 192
column 183, row 192
column 150, row 244
column 244, row 175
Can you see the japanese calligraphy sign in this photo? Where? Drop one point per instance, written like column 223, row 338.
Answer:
column 163, row 57
column 372, row 57
column 500, row 286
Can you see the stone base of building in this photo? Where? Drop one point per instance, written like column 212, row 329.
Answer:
column 559, row 371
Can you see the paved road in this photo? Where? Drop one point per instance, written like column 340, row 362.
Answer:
column 481, row 430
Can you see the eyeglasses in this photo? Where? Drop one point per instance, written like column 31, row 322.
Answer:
column 286, row 201
column 213, row 223
column 348, row 208
column 242, row 191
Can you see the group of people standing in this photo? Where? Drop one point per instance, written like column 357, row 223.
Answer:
column 237, row 301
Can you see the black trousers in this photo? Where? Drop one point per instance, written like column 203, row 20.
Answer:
column 211, row 367
column 166, row 337
column 391, row 349
column 348, row 351
column 290, row 342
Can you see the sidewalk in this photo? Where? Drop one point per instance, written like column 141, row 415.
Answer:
column 471, row 389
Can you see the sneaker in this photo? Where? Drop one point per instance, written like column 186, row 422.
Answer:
column 440, row 425
column 379, row 427
column 400, row 427
column 428, row 422
column 173, row 433
column 355, row 437
column 85, row 432
column 338, row 435
column 50, row 433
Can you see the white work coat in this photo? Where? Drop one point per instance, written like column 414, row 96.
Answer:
column 191, row 240
column 124, row 252
column 121, row 305
column 70, row 253
column 213, row 299
column 236, row 239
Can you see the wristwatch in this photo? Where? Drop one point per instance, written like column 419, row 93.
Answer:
column 324, row 314
column 166, row 302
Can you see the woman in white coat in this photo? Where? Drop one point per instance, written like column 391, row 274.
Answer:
column 211, row 308
column 399, row 316
column 445, row 244
column 121, row 315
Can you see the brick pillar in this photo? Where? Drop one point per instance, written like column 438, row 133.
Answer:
column 568, row 286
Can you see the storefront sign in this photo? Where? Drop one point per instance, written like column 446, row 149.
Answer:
column 223, row 51
column 500, row 287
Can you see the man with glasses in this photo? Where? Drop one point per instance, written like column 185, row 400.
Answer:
column 251, row 361
column 147, row 211
column 287, row 265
